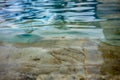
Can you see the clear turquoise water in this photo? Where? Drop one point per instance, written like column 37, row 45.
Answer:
column 94, row 19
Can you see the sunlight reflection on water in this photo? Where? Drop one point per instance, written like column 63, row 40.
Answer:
column 67, row 15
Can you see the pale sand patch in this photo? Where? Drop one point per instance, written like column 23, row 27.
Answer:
column 59, row 58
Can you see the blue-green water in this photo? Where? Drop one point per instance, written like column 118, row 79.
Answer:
column 94, row 19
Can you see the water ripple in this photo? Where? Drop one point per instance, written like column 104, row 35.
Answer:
column 38, row 13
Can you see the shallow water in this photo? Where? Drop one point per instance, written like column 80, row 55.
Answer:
column 70, row 39
column 79, row 19
column 53, row 16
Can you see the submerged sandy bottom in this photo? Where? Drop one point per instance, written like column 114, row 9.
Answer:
column 80, row 59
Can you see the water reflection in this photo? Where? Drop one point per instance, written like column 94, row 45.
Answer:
column 72, row 16
column 111, row 27
column 31, row 15
column 41, row 12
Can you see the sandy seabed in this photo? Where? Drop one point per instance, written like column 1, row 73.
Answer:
column 80, row 59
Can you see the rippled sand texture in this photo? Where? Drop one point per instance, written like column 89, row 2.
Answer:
column 84, row 61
